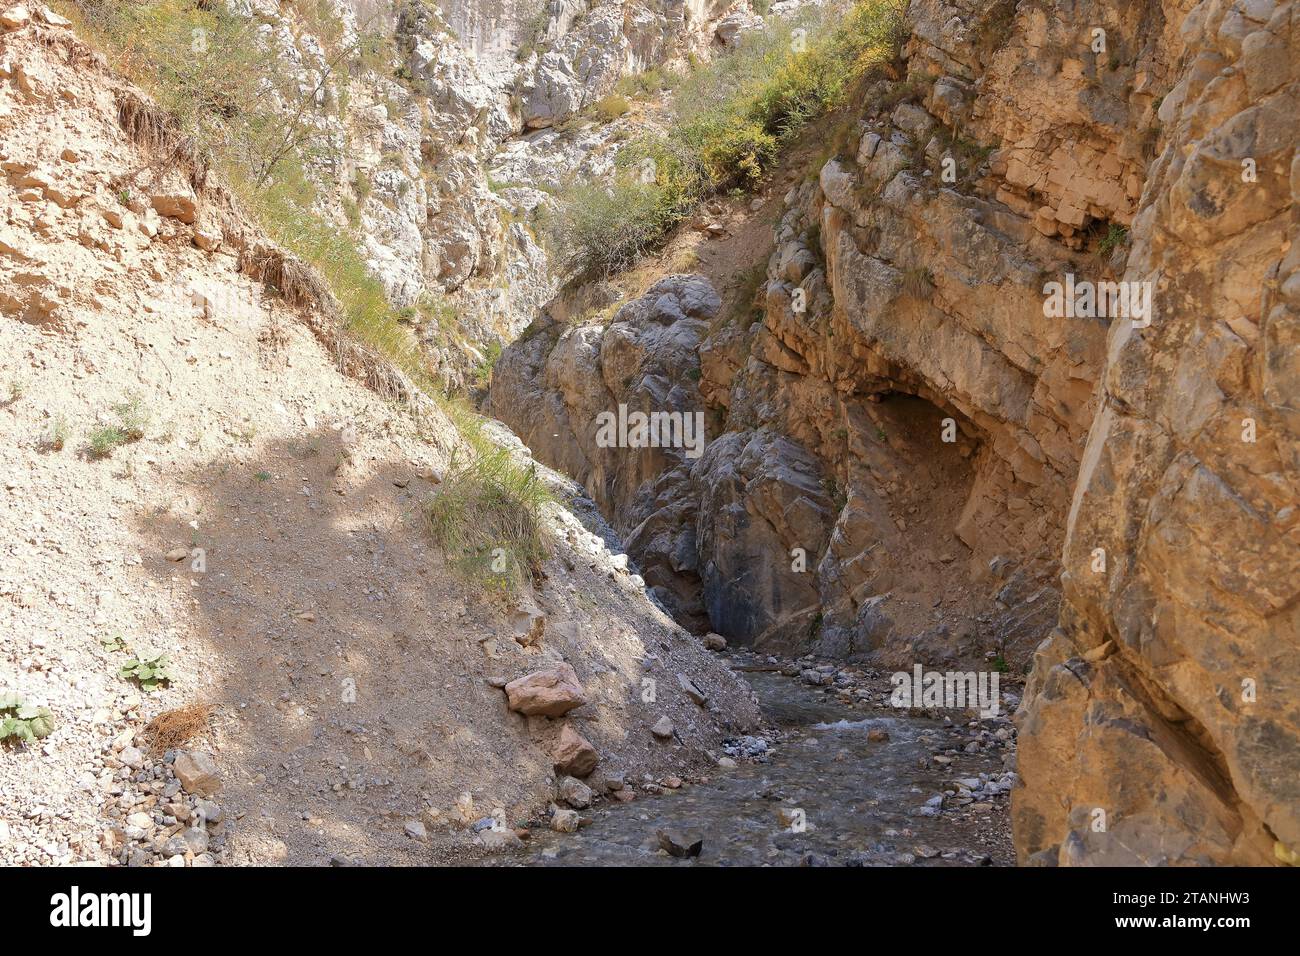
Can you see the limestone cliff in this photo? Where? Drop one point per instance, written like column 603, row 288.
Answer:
column 1166, row 699
column 967, row 466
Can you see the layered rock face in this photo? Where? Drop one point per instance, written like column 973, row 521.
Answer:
column 1162, row 724
column 894, row 441
column 555, row 384
column 433, row 146
column 1040, row 302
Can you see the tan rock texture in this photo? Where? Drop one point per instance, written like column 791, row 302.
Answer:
column 574, row 754
column 1167, row 698
column 1125, row 489
column 550, row 692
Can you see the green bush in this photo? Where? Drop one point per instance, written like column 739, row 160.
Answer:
column 487, row 518
column 730, row 119
column 1116, row 236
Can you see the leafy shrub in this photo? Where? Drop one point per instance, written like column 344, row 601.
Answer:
column 729, row 121
column 607, row 228
column 132, row 419
column 24, row 722
column 149, row 672
column 58, row 434
column 486, row 517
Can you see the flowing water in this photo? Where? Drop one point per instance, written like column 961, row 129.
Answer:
column 861, row 800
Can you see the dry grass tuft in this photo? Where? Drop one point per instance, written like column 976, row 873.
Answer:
column 157, row 131
column 175, row 728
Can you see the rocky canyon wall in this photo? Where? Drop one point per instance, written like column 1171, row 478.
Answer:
column 1162, row 724
column 432, row 146
column 913, row 454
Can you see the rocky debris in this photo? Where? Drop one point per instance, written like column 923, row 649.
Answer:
column 714, row 642
column 691, row 690
column 197, row 773
column 499, row 840
column 663, row 728
column 15, row 18
column 680, row 844
column 564, row 821
column 416, row 830
column 574, row 755
column 575, row 793
column 528, row 623
column 550, row 692
column 176, row 206
column 748, row 747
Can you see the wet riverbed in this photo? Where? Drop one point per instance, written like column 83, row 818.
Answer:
column 828, row 792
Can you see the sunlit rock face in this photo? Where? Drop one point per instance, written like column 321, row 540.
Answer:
column 1162, row 727
column 1020, row 373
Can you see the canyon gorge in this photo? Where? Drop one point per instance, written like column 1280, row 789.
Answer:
column 995, row 357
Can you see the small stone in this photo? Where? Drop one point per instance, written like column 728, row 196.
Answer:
column 877, row 736
column 575, row 793
column 500, row 840
column 15, row 17
column 53, row 19
column 714, row 642
column 726, row 763
column 575, row 756
column 565, row 821
column 681, row 844
column 177, row 554
column 209, row 240
column 663, row 728
column 416, row 831
column 197, row 773
column 693, row 692
column 209, row 811
column 175, row 205
column 550, row 692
